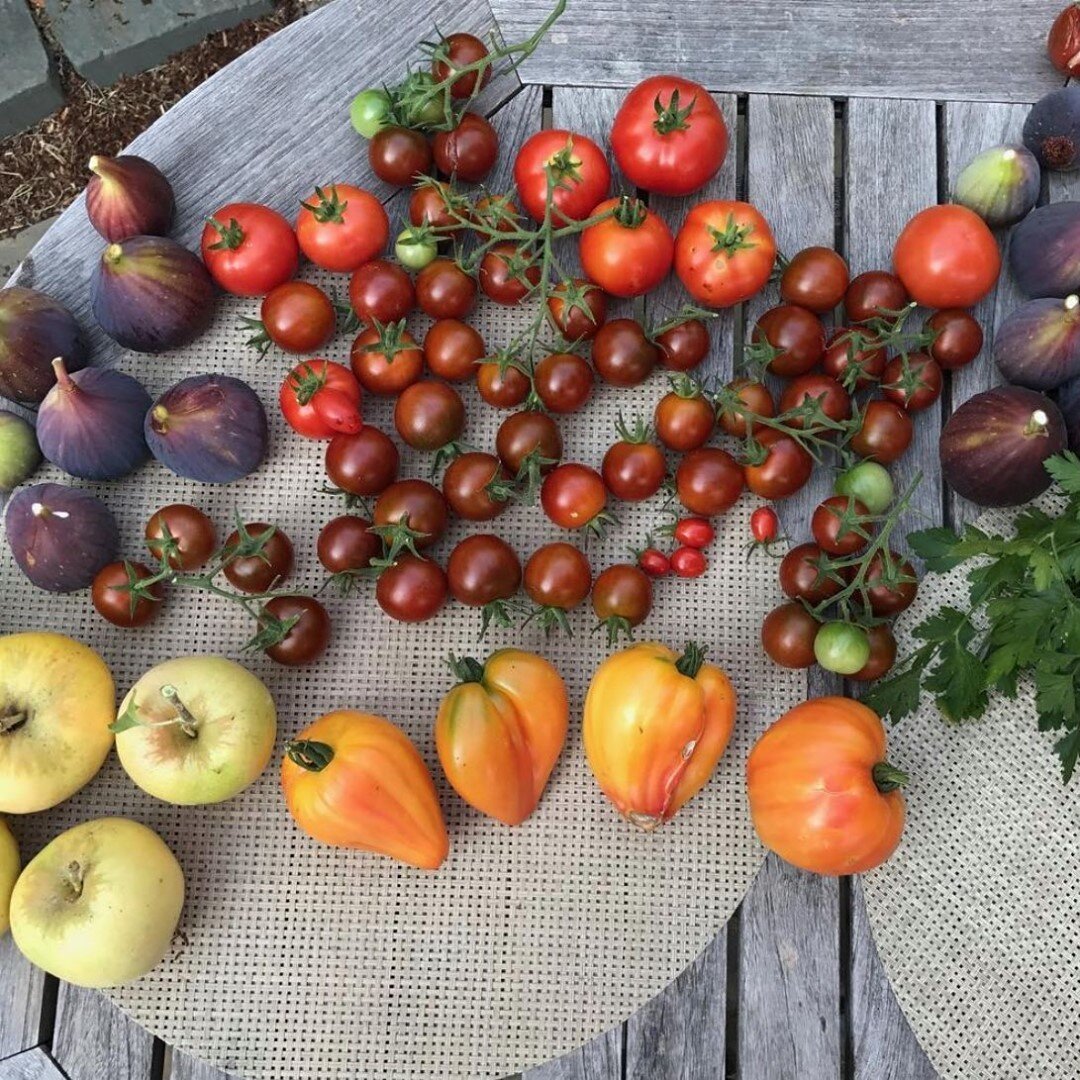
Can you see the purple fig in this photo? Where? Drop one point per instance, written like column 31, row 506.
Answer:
column 1038, row 345
column 150, row 294
column 19, row 452
column 127, row 196
column 209, row 427
column 35, row 328
column 1052, row 129
column 1001, row 185
column 60, row 536
column 91, row 423
column 1044, row 251
column 1068, row 400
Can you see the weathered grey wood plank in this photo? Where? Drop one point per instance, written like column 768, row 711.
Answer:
column 891, row 174
column 30, row 1065
column 906, row 48
column 601, row 1059
column 20, row 1000
column 971, row 127
column 789, row 992
column 93, row 1039
column 181, row 1066
column 680, row 1035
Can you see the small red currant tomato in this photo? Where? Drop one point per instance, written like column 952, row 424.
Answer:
column 688, row 562
column 764, row 524
column 654, row 563
column 694, row 532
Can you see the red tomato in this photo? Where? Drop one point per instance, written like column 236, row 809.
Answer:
column 947, row 257
column 341, row 227
column 564, row 382
column 557, row 576
column 688, row 562
column 669, row 136
column 381, row 291
column 684, row 345
column 386, row 361
column 694, row 532
column 764, row 525
column 308, row 635
column 630, row 253
column 579, row 171
column 249, row 249
column 476, row 486
column 654, row 563
column 724, row 252
column 444, row 290
column 959, row 337
column 792, row 336
column 302, row 391
column 578, row 309
column 875, row 294
column 852, row 362
column 363, row 464
column 412, row 589
column 573, row 496
column 502, row 387
column 708, row 481
column 915, row 385
column 884, row 433
column 757, row 399
column 453, row 349
column 684, row 419
column 337, row 410
column 832, row 399
column 784, row 470
column 633, row 469
column 115, row 602
column 298, row 317
column 622, row 353
column 399, row 155
column 436, row 204
column 838, row 525
column 458, row 51
column 507, row 273
column 468, row 151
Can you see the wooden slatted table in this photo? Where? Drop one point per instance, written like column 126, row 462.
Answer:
column 849, row 117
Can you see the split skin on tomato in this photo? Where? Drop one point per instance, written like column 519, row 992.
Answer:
column 724, row 252
column 309, row 384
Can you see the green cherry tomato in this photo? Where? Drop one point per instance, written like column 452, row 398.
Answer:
column 842, row 647
column 368, row 112
column 868, row 482
column 427, row 112
column 415, row 250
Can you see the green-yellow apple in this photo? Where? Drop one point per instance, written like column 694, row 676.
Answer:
column 98, row 906
column 19, row 453
column 195, row 730
column 9, row 871
column 57, row 700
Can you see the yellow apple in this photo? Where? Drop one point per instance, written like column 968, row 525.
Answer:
column 98, row 906
column 9, row 871
column 56, row 703
column 196, row 730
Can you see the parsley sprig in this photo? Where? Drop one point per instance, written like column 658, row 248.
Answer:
column 1022, row 621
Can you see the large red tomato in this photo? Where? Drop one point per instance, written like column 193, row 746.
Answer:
column 341, row 227
column 724, row 252
column 249, row 249
column 578, row 167
column 629, row 253
column 669, row 135
column 947, row 257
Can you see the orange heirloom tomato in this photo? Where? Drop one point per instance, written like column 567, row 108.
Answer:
column 355, row 780
column 655, row 726
column 822, row 795
column 499, row 732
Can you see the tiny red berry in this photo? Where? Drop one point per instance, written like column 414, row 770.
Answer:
column 688, row 562
column 695, row 532
column 764, row 524
column 654, row 563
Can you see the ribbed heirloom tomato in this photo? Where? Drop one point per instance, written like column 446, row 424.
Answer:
column 629, row 253
column 500, row 731
column 669, row 136
column 578, row 167
column 249, row 249
column 822, row 795
column 724, row 252
column 340, row 227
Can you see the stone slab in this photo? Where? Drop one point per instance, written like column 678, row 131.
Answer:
column 29, row 88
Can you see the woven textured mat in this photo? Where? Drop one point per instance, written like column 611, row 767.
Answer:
column 301, row 961
column 977, row 915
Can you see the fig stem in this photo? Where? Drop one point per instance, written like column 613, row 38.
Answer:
column 63, row 379
column 1037, row 425
column 113, row 253
column 888, row 778
column 74, row 879
column 188, row 724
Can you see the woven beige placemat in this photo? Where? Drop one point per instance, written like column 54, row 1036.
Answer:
column 977, row 915
column 303, row 962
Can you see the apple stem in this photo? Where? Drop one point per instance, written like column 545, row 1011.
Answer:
column 11, row 721
column 188, row 723
column 75, row 879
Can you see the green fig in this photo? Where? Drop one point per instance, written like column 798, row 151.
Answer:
column 1001, row 185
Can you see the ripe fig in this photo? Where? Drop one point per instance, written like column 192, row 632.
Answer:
column 91, row 423
column 19, row 452
column 60, row 536
column 150, row 294
column 1038, row 344
column 127, row 196
column 1001, row 185
column 1044, row 251
column 35, row 328
column 209, row 427
column 1052, row 129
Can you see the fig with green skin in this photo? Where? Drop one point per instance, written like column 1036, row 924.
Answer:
column 91, row 423
column 1001, row 185
column 1038, row 345
column 127, row 196
column 34, row 329
column 1044, row 251
column 149, row 294
column 19, row 451
column 1052, row 129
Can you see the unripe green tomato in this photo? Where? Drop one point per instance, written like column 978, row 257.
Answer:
column 842, row 647
column 369, row 112
column 870, row 483
column 414, row 252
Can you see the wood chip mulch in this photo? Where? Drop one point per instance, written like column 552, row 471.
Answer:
column 44, row 168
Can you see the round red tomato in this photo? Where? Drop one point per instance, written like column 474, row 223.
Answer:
column 307, row 638
column 476, row 486
column 851, row 361
column 579, row 170
column 557, row 576
column 249, row 249
column 114, row 601
column 622, row 353
column 816, row 278
column 564, row 382
column 885, row 598
column 633, row 469
column 622, row 598
column 346, row 544
column 341, row 227
column 483, row 569
column 630, row 252
column 381, row 291
column 399, row 155
column 684, row 345
column 411, row 589
column 507, row 273
column 298, row 317
column 457, row 51
column 363, row 464
column 757, row 399
column 416, row 504
column 684, row 420
column 832, row 399
column 268, row 562
column 578, row 309
column 573, row 496
column 386, row 361
column 787, row 635
column 914, row 384
column 308, row 402
column 438, row 205
column 669, row 136
column 805, row 576
column 882, row 654
column 874, row 295
column 884, row 433
column 841, row 525
column 724, row 252
column 764, row 525
column 959, row 337
column 444, row 290
column 688, row 562
column 182, row 534
column 453, row 350
column 468, row 151
column 429, row 415
column 784, row 470
column 694, row 532
column 792, row 337
column 708, row 481
column 502, row 386
column 947, row 257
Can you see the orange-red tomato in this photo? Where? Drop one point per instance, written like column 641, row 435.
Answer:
column 500, row 731
column 655, row 726
column 821, row 794
column 947, row 257
column 355, row 780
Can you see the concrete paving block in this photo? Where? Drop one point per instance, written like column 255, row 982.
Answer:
column 105, row 39
column 13, row 249
column 29, row 89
